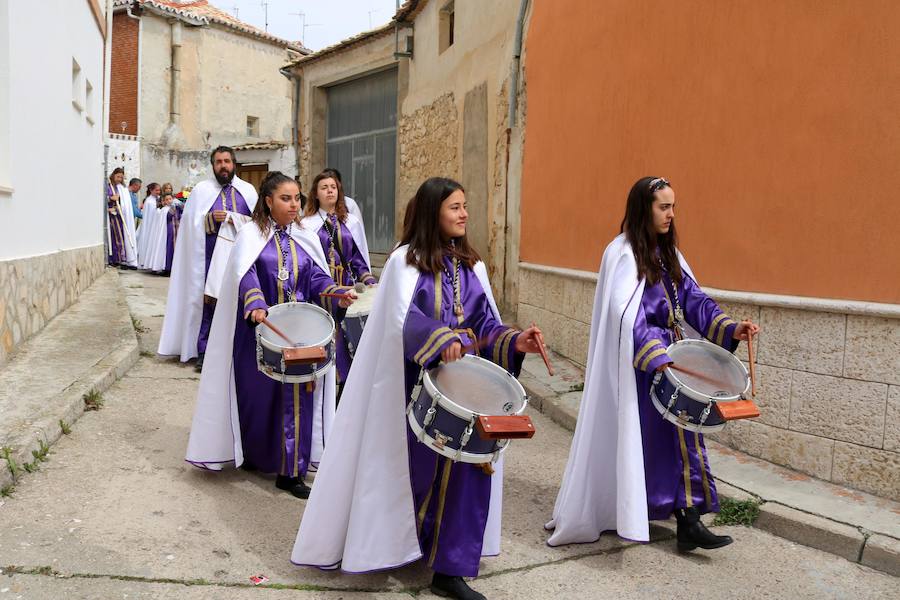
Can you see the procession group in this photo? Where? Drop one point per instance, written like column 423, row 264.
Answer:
column 389, row 488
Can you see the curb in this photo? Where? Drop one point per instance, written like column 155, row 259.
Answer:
column 877, row 551
column 68, row 407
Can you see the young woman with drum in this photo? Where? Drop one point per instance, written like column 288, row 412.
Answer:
column 383, row 498
column 628, row 465
column 280, row 426
column 343, row 240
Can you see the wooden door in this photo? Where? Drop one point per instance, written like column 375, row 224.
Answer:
column 253, row 174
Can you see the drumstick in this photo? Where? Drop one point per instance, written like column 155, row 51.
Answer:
column 333, row 295
column 540, row 342
column 751, row 360
column 268, row 324
column 705, row 378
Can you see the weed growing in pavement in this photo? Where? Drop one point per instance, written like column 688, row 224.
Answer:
column 6, row 453
column 65, row 427
column 7, row 490
column 138, row 325
column 737, row 512
column 93, row 400
column 577, row 387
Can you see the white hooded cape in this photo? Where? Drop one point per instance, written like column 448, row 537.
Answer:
column 184, row 305
column 315, row 222
column 603, row 487
column 360, row 515
column 128, row 226
column 142, row 233
column 215, row 439
column 353, row 207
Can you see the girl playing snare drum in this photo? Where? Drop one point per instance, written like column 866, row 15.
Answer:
column 636, row 467
column 382, row 499
column 280, row 427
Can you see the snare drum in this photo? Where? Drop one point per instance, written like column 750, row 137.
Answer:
column 357, row 315
column 453, row 395
column 308, row 326
column 689, row 401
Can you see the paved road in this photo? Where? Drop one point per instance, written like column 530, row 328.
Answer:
column 116, row 513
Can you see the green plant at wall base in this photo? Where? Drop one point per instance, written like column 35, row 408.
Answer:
column 138, row 325
column 6, row 491
column 93, row 400
column 6, row 454
column 737, row 512
column 40, row 455
column 64, row 427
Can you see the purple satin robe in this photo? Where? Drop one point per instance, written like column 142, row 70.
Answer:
column 451, row 499
column 276, row 419
column 229, row 199
column 360, row 269
column 173, row 221
column 116, row 229
column 676, row 468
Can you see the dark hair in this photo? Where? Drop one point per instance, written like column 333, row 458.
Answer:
column 261, row 212
column 134, row 180
column 638, row 229
column 312, row 203
column 422, row 230
column 116, row 170
column 150, row 187
column 335, row 172
column 219, row 150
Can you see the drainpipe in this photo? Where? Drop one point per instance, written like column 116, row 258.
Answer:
column 175, row 89
column 510, row 123
column 295, row 113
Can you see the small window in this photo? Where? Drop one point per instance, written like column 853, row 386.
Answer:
column 253, row 126
column 77, row 86
column 89, row 102
column 447, row 26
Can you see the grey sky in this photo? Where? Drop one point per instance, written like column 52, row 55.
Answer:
column 328, row 21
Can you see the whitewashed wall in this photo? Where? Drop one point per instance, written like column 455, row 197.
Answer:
column 55, row 151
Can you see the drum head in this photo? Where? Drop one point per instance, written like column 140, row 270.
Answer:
column 306, row 325
column 712, row 361
column 479, row 386
column 364, row 303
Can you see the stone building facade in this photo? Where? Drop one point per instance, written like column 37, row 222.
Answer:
column 454, row 62
column 188, row 77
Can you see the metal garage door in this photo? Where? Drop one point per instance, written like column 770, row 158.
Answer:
column 362, row 144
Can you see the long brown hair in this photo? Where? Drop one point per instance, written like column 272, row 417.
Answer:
column 312, row 203
column 422, row 230
column 262, row 214
column 638, row 229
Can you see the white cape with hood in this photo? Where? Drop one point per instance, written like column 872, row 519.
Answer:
column 184, row 305
column 215, row 439
column 141, row 235
column 127, row 212
column 360, row 515
column 315, row 222
column 603, row 487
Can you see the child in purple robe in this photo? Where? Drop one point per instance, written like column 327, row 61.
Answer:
column 434, row 305
column 274, row 261
column 343, row 240
column 665, row 467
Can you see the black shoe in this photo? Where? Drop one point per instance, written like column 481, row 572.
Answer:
column 449, row 586
column 198, row 366
column 294, row 485
column 692, row 533
column 247, row 466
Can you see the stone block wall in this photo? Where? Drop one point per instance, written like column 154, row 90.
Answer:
column 34, row 290
column 828, row 383
column 428, row 145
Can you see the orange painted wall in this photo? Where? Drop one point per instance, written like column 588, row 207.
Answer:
column 777, row 122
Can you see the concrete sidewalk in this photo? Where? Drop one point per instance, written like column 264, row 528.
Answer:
column 85, row 348
column 857, row 526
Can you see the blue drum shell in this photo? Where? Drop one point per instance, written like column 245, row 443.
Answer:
column 353, row 330
column 685, row 405
column 272, row 360
column 450, row 425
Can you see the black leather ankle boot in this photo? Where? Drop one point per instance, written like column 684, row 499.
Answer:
column 692, row 533
column 449, row 586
